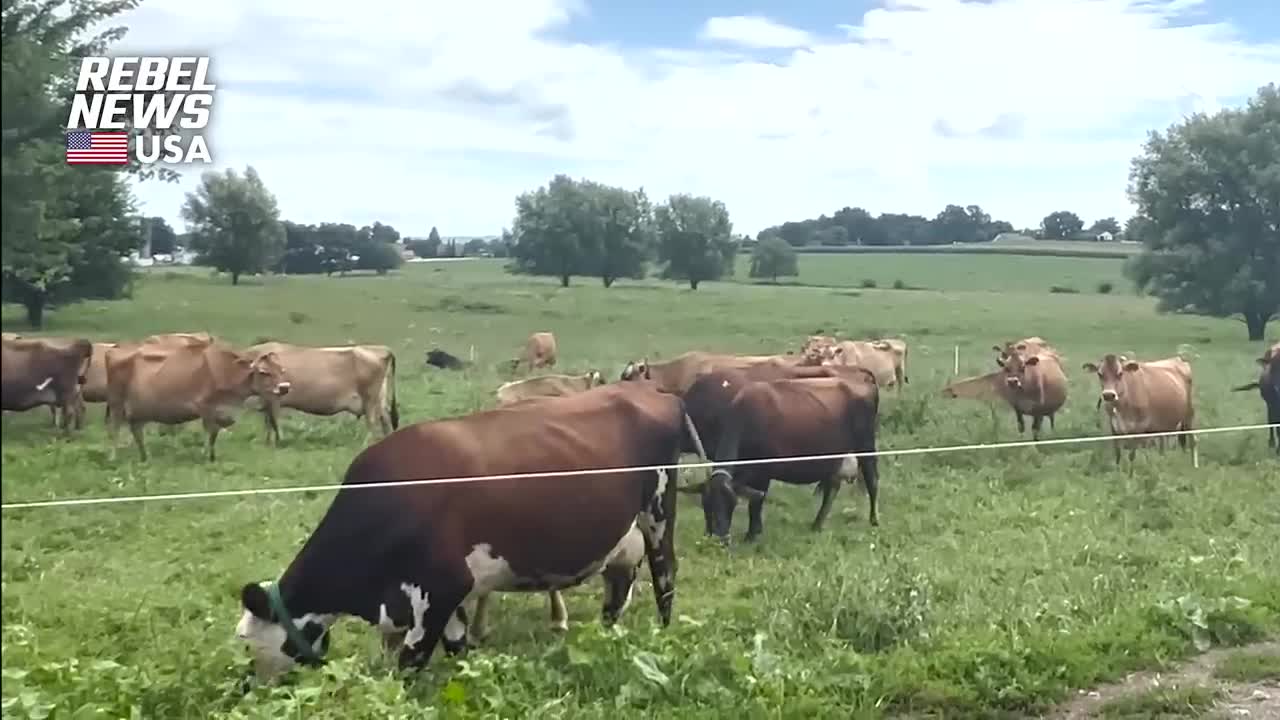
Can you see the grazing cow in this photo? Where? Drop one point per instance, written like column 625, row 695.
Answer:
column 796, row 417
column 44, row 371
column 1268, row 386
column 819, row 348
column 178, row 383
column 445, row 361
column 357, row 379
column 678, row 374
column 1147, row 397
column 405, row 558
column 539, row 352
column 547, row 386
column 876, row 356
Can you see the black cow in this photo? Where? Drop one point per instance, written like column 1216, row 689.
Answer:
column 445, row 361
column 794, row 417
column 405, row 558
column 1268, row 386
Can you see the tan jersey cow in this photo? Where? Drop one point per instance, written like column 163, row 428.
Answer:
column 357, row 379
column 1034, row 385
column 875, row 356
column 678, row 374
column 44, row 371
column 1147, row 397
column 539, row 352
column 174, row 384
column 547, row 386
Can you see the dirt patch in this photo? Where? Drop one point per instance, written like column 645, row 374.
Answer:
column 1258, row 700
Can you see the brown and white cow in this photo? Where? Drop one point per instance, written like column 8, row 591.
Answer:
column 178, row 383
column 37, row 371
column 539, row 352
column 865, row 353
column 678, row 374
column 788, row 418
column 406, row 558
column 1268, row 386
column 356, row 379
column 547, row 386
column 876, row 356
column 1146, row 397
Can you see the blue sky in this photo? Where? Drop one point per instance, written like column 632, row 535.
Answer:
column 432, row 113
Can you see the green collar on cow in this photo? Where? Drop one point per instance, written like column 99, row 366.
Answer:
column 305, row 649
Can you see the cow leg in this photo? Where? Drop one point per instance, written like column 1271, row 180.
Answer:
column 619, row 576
column 559, row 613
column 830, row 487
column 657, row 527
column 1022, row 423
column 1037, row 421
column 271, row 424
column 1051, row 425
column 755, row 511
column 480, row 620
column 436, row 616
column 212, row 427
column 135, row 427
column 870, row 467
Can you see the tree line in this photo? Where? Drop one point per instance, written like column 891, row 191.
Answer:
column 1205, row 191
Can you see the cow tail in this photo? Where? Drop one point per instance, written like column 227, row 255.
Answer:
column 691, row 437
column 730, row 443
column 395, row 404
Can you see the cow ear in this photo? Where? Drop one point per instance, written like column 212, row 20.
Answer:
column 1033, row 360
column 997, row 348
column 1263, row 360
column 255, row 600
column 1000, row 361
column 1131, row 366
column 1090, row 367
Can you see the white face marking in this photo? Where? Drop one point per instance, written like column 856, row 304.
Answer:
column 419, row 604
column 266, row 641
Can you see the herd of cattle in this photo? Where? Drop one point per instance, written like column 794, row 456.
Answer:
column 409, row 557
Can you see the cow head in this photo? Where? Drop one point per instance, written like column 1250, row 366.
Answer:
column 720, row 494
column 267, row 376
column 636, row 370
column 1016, row 368
column 276, row 640
column 1111, row 375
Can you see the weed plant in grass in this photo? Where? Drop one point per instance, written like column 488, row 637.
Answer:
column 997, row 582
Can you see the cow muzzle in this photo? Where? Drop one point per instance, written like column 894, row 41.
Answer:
column 1109, row 396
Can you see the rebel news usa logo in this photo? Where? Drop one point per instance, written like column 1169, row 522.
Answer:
column 156, row 95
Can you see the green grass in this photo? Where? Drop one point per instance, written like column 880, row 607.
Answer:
column 1191, row 701
column 996, row 583
column 1007, row 273
column 1247, row 666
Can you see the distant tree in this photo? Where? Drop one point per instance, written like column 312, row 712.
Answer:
column 772, row 258
column 1105, row 225
column 998, row 227
column 859, row 226
column 235, row 223
column 552, row 230
column 625, row 231
column 961, row 224
column 1207, row 189
column 903, row 229
column 695, row 239
column 433, row 237
column 65, row 231
column 1136, row 228
column 833, row 236
column 379, row 256
column 1060, row 225
column 475, row 246
column 163, row 238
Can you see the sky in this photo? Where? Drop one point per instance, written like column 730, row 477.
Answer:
column 422, row 113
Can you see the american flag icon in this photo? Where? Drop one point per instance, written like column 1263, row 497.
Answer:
column 89, row 147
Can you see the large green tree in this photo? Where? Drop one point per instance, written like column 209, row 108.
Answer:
column 581, row 227
column 1061, row 225
column 65, row 230
column 695, row 239
column 772, row 258
column 235, row 223
column 1208, row 189
column 163, row 239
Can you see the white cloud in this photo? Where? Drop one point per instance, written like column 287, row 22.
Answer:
column 754, row 31
column 438, row 113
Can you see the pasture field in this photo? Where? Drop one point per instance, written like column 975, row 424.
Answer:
column 998, row 582
column 1008, row 273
